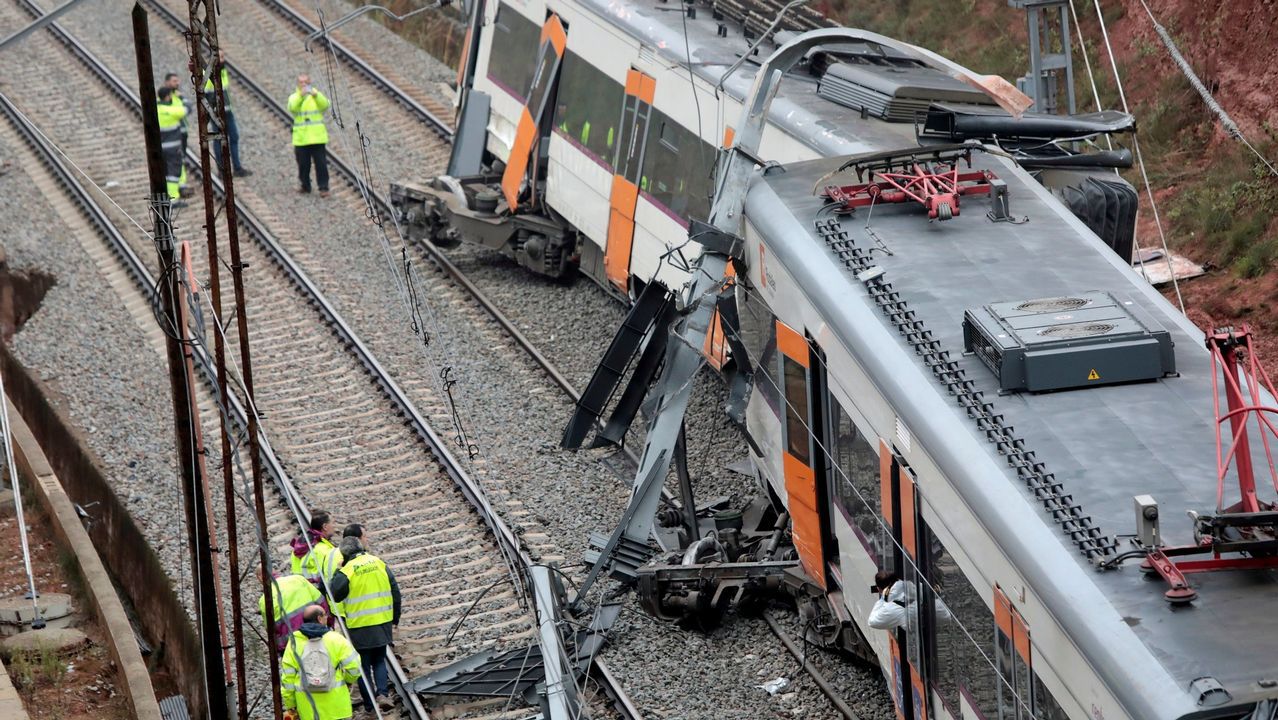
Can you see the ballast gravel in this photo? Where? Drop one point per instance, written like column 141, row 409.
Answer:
column 506, row 409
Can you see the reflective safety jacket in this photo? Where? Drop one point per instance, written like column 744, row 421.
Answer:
column 328, row 705
column 292, row 594
column 369, row 600
column 308, row 118
column 226, row 89
column 176, row 99
column 171, row 115
column 320, row 560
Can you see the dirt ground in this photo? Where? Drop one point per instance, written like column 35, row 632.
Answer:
column 79, row 686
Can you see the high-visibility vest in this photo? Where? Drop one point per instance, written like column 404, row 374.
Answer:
column 585, row 133
column 369, row 601
column 308, row 118
column 171, row 115
column 335, row 703
column 292, row 594
column 321, row 562
column 176, row 100
column 226, row 88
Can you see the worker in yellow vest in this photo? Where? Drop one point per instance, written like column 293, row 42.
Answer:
column 310, row 138
column 315, row 557
column 171, row 141
column 232, row 129
column 368, row 592
column 292, row 594
column 171, row 80
column 316, row 670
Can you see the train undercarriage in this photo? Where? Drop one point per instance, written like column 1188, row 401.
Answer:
column 444, row 209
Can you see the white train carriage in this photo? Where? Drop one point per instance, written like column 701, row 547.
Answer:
column 588, row 138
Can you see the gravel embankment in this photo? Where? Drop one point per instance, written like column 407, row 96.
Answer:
column 98, row 364
column 512, row 414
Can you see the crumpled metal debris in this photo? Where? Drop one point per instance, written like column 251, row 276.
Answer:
column 772, row 687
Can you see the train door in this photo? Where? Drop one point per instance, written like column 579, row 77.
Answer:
column 899, row 503
column 803, row 379
column 636, row 112
column 534, row 121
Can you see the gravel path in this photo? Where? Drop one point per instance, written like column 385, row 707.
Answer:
column 511, row 413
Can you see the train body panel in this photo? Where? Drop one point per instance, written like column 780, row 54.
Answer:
column 1090, row 631
column 912, row 468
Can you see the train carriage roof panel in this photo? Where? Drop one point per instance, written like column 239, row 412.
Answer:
column 1106, row 443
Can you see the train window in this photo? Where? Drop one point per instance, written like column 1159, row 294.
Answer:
column 759, row 335
column 856, row 480
column 589, row 107
column 676, row 168
column 960, row 670
column 797, row 436
column 514, row 50
column 1045, row 706
column 1021, row 693
column 547, row 59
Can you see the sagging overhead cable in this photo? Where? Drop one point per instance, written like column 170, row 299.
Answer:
column 1226, row 122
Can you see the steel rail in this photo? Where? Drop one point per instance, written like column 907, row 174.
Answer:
column 508, row 540
column 364, row 68
column 257, row 230
column 817, row 676
column 608, row 681
column 436, row 255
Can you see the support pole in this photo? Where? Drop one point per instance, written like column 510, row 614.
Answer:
column 202, row 27
column 40, row 22
column 228, row 479
column 213, row 678
column 685, row 484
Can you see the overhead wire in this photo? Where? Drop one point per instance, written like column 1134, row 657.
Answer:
column 1230, row 126
column 1140, row 158
column 882, row 526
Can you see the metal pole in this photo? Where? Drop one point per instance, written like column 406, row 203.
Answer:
column 203, row 34
column 214, row 673
column 685, row 484
column 560, row 698
column 219, row 349
column 39, row 23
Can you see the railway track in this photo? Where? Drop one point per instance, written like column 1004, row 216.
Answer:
column 407, row 112
column 383, row 79
column 335, row 437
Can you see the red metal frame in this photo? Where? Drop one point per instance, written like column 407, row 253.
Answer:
column 1233, row 358
column 929, row 186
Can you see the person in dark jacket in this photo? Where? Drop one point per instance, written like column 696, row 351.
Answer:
column 370, row 597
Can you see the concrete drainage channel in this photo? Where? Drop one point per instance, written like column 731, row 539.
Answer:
column 58, row 491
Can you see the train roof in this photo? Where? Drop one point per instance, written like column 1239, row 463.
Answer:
column 798, row 109
column 1106, row 444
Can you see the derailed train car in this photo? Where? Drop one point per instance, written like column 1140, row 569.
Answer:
column 950, row 369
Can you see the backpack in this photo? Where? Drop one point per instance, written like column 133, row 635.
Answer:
column 317, row 667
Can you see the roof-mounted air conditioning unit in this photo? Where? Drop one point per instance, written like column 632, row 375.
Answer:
column 1057, row 343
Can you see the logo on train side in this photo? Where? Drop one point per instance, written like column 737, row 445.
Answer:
column 763, row 270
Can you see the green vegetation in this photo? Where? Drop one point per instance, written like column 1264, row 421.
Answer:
column 42, row 667
column 1222, row 201
column 442, row 34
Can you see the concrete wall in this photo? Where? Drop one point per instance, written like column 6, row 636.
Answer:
column 119, row 541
